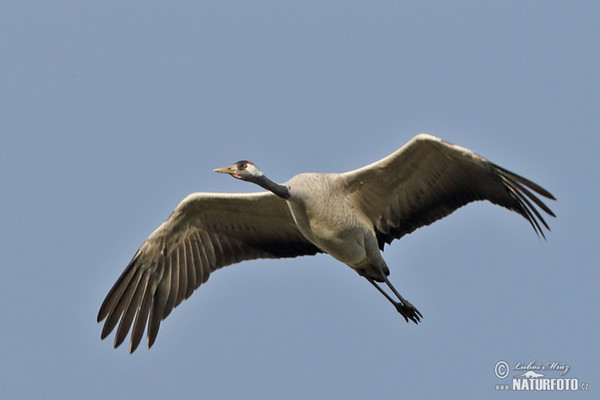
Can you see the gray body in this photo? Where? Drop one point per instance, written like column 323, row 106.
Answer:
column 346, row 233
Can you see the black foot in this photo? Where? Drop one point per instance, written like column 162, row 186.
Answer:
column 408, row 311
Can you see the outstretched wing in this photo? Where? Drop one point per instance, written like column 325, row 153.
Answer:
column 206, row 231
column 428, row 178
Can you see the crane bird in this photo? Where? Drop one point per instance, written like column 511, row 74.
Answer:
column 350, row 216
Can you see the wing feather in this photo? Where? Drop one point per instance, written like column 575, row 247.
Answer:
column 140, row 320
column 117, row 290
column 131, row 307
column 428, row 178
column 182, row 262
column 191, row 270
column 210, row 250
column 206, row 231
column 159, row 300
column 120, row 304
column 202, row 259
column 174, row 265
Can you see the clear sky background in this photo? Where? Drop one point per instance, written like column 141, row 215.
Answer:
column 112, row 112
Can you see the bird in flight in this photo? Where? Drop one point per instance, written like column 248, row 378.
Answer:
column 350, row 216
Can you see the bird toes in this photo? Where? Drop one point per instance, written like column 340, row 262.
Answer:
column 409, row 312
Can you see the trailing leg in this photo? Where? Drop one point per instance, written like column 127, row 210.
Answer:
column 374, row 267
column 404, row 307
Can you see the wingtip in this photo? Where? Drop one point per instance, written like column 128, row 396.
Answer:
column 150, row 340
column 132, row 347
column 119, row 339
column 102, row 312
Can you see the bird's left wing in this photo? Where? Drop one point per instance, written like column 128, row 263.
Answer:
column 206, row 231
column 427, row 179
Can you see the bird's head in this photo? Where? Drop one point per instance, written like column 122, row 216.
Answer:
column 244, row 170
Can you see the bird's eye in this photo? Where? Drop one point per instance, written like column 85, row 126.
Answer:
column 244, row 166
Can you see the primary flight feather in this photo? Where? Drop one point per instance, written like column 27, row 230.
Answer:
column 350, row 216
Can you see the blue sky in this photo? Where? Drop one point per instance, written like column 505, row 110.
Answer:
column 112, row 112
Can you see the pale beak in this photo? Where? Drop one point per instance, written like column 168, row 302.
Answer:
column 226, row 170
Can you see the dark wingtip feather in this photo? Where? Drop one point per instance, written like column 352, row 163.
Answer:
column 121, row 303
column 536, row 200
column 139, row 325
column 532, row 185
column 116, row 292
column 101, row 314
column 130, row 311
column 526, row 212
column 156, row 313
column 109, row 325
column 517, row 187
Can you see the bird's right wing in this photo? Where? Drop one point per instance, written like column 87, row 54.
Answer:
column 206, row 231
column 427, row 179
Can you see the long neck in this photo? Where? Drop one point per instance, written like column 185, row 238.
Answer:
column 280, row 190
